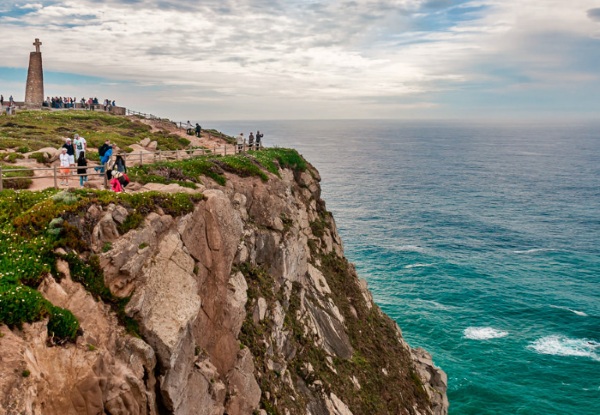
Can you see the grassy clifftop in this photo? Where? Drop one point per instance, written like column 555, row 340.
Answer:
column 31, row 130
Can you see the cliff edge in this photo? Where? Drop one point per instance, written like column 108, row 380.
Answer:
column 242, row 304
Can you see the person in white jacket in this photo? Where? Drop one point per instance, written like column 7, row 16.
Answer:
column 240, row 142
column 65, row 163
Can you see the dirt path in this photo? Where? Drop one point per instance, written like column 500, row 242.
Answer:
column 205, row 139
column 45, row 178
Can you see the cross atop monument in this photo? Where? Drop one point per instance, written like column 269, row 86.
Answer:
column 37, row 45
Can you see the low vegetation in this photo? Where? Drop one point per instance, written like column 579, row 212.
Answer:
column 190, row 172
column 33, row 130
column 22, row 182
column 34, row 224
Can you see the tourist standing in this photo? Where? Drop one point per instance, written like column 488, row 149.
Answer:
column 198, row 130
column 188, row 127
column 250, row 140
column 80, row 145
column 1, row 100
column 106, row 157
column 240, row 142
column 259, row 137
column 70, row 150
column 120, row 164
column 81, row 170
column 65, row 163
column 103, row 150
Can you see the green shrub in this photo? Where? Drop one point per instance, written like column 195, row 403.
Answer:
column 242, row 165
column 17, row 171
column 40, row 157
column 62, row 324
column 20, row 304
column 13, row 157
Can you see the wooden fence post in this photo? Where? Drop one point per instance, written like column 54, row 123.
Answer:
column 105, row 165
column 55, row 177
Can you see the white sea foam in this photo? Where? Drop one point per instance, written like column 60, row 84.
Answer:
column 564, row 346
column 484, row 333
column 410, row 248
column 579, row 313
column 433, row 304
column 534, row 250
column 417, row 266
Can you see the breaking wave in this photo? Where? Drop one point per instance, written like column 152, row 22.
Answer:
column 484, row 333
column 564, row 346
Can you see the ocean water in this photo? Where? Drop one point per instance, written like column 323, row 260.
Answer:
column 481, row 240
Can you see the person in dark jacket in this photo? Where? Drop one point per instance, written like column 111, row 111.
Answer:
column 102, row 149
column 258, row 141
column 70, row 151
column 81, row 170
column 105, row 158
column 198, row 130
column 120, row 164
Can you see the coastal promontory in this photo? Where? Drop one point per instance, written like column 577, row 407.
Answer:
column 219, row 287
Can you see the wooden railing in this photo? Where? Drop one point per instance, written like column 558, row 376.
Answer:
column 143, row 115
column 56, row 174
column 131, row 159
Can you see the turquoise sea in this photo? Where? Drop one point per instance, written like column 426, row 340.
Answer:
column 481, row 240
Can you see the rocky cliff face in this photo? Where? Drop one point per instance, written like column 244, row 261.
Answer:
column 244, row 306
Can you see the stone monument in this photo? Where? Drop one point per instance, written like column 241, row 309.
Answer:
column 34, row 91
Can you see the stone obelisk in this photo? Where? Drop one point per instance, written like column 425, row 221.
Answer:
column 34, row 91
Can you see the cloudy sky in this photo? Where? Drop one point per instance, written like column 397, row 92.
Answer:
column 311, row 59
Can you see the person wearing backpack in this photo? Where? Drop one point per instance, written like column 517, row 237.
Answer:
column 102, row 149
column 105, row 158
column 123, row 179
column 101, row 152
column 115, row 184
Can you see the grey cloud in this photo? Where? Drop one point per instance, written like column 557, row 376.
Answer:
column 594, row 14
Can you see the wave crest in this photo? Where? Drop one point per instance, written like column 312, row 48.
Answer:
column 418, row 265
column 534, row 250
column 484, row 333
column 579, row 313
column 564, row 346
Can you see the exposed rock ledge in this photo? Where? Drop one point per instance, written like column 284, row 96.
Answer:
column 245, row 306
